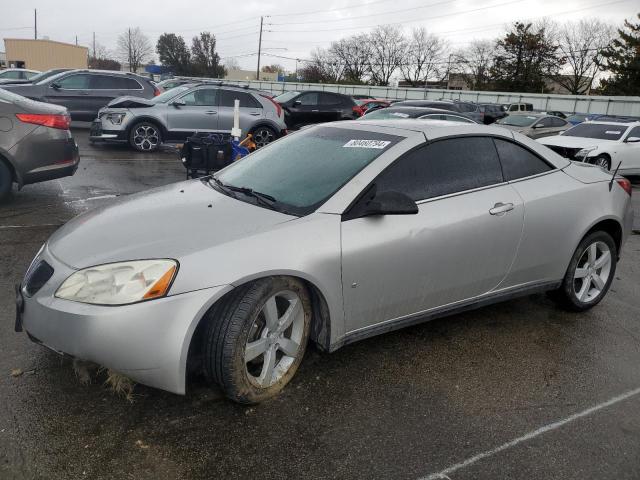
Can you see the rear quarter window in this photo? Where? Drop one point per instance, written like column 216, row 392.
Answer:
column 518, row 162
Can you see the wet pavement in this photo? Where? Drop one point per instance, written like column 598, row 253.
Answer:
column 473, row 396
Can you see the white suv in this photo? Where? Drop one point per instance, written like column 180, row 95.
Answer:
column 603, row 143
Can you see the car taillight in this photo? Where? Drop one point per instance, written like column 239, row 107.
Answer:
column 46, row 120
column 156, row 91
column 625, row 184
column 278, row 107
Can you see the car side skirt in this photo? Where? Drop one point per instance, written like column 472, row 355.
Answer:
column 446, row 310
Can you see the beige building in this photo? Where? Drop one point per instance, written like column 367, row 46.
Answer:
column 44, row 54
column 250, row 75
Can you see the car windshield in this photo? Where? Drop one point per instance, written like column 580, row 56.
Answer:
column 601, row 131
column 285, row 97
column 389, row 114
column 518, row 120
column 576, row 118
column 302, row 170
column 164, row 97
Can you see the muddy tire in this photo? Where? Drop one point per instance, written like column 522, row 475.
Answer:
column 590, row 273
column 255, row 339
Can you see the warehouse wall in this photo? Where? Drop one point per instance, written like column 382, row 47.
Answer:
column 45, row 54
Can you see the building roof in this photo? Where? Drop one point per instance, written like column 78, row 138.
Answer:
column 39, row 40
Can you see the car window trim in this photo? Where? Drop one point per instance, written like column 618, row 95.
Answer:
column 202, row 87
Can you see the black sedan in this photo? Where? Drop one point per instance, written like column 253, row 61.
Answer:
column 308, row 107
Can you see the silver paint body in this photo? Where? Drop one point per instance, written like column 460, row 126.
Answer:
column 375, row 273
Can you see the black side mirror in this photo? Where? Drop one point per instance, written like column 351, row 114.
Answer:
column 383, row 203
column 178, row 103
column 55, row 86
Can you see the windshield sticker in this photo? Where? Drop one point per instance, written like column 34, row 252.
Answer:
column 613, row 132
column 400, row 114
column 378, row 144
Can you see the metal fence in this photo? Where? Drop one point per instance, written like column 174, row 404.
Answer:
column 540, row 101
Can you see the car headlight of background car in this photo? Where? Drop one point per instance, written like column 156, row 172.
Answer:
column 585, row 152
column 115, row 118
column 120, row 283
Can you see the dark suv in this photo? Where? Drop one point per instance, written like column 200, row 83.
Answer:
column 305, row 108
column 491, row 112
column 84, row 92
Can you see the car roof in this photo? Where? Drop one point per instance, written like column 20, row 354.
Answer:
column 635, row 123
column 431, row 129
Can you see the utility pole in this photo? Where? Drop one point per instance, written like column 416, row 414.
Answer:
column 76, row 39
column 35, row 24
column 94, row 44
column 259, row 49
column 129, row 44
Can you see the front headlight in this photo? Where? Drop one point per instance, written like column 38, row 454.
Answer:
column 585, row 152
column 120, row 283
column 115, row 118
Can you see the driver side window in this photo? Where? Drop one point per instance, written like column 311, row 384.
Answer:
column 205, row 97
column 308, row 99
column 74, row 82
column 635, row 132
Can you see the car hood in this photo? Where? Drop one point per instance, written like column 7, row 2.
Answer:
column 167, row 222
column 572, row 142
column 130, row 102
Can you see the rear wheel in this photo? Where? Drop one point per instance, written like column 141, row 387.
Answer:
column 263, row 136
column 590, row 273
column 6, row 180
column 145, row 137
column 255, row 340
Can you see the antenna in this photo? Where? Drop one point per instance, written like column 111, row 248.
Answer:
column 613, row 177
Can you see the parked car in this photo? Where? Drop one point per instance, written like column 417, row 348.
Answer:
column 577, row 118
column 602, row 143
column 556, row 113
column 36, row 144
column 520, row 107
column 534, row 125
column 180, row 112
column 170, row 83
column 491, row 112
column 84, row 92
column 365, row 104
column 310, row 106
column 336, row 233
column 34, row 79
column 17, row 74
column 469, row 109
column 399, row 112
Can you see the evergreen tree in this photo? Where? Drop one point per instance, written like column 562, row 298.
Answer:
column 622, row 59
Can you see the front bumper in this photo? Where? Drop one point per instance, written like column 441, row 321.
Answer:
column 146, row 341
column 100, row 134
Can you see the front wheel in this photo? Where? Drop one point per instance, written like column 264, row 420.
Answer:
column 590, row 273
column 256, row 338
column 603, row 161
column 263, row 136
column 145, row 137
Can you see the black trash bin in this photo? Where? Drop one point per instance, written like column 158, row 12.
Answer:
column 203, row 154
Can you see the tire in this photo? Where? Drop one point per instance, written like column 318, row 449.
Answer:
column 263, row 135
column 603, row 161
column 576, row 295
column 238, row 342
column 145, row 137
column 6, row 180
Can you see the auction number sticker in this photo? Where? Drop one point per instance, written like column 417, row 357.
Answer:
column 379, row 144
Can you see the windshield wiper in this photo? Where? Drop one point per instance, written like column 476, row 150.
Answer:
column 262, row 198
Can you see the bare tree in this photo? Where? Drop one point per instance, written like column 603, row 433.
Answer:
column 388, row 47
column 324, row 66
column 231, row 63
column 475, row 61
column 134, row 48
column 582, row 43
column 354, row 54
column 423, row 58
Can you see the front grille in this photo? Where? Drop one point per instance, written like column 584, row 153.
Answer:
column 36, row 277
column 566, row 152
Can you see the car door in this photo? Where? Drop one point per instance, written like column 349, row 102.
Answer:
column 629, row 152
column 250, row 110
column 104, row 88
column 194, row 111
column 542, row 128
column 558, row 125
column 459, row 245
column 303, row 109
column 331, row 108
column 71, row 91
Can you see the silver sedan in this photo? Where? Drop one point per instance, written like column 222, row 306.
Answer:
column 332, row 234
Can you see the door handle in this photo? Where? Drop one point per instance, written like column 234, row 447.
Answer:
column 255, row 114
column 211, row 112
column 501, row 208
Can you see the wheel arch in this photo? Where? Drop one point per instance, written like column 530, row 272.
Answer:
column 320, row 332
column 150, row 119
column 15, row 175
column 266, row 123
column 611, row 226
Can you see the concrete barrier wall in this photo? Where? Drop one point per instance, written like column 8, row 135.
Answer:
column 565, row 103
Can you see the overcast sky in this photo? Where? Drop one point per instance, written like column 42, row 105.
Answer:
column 292, row 28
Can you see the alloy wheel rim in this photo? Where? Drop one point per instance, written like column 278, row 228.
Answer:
column 602, row 162
column 274, row 340
column 592, row 272
column 146, row 137
column 262, row 137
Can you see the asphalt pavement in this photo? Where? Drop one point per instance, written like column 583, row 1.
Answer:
column 519, row 390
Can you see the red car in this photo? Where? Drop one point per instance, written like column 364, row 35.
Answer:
column 362, row 105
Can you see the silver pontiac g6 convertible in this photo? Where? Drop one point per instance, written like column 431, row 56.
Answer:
column 332, row 234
